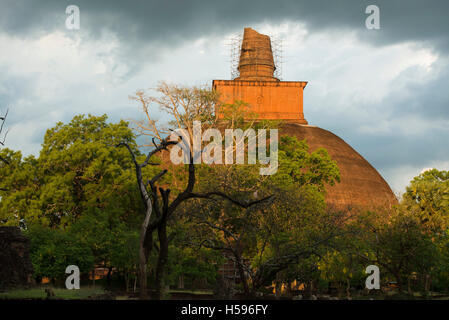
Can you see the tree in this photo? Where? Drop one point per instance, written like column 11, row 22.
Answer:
column 183, row 105
column 19, row 188
column 188, row 266
column 111, row 239
column 267, row 239
column 78, row 169
column 407, row 242
column 427, row 197
column 400, row 246
column 51, row 251
column 80, row 184
column 124, row 254
column 3, row 139
column 341, row 267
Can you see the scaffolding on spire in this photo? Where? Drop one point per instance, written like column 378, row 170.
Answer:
column 235, row 46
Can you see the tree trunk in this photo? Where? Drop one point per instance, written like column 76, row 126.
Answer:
column 108, row 278
column 427, row 284
column 409, row 287
column 278, row 286
column 181, row 281
column 126, row 282
column 348, row 288
column 162, row 259
column 308, row 289
column 399, row 281
column 288, row 288
column 142, row 271
column 247, row 292
column 144, row 252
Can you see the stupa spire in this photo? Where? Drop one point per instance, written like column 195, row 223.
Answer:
column 267, row 97
column 256, row 57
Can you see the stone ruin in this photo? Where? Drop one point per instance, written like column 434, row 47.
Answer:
column 15, row 265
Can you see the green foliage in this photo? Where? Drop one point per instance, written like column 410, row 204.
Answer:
column 81, row 168
column 398, row 243
column 427, row 197
column 79, row 198
column 18, row 184
column 51, row 251
column 193, row 265
column 78, row 168
column 300, row 167
column 440, row 274
column 113, row 241
column 269, row 236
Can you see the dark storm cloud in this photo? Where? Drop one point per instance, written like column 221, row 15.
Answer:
column 389, row 151
column 429, row 100
column 171, row 22
column 417, row 117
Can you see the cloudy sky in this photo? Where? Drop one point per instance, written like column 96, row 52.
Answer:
column 386, row 91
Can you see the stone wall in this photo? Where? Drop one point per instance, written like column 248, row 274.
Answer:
column 15, row 265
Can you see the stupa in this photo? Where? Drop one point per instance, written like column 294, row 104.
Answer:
column 361, row 186
column 257, row 86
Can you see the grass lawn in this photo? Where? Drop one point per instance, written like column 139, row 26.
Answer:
column 39, row 293
column 198, row 292
column 83, row 293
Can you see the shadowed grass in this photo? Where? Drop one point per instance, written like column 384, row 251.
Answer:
column 61, row 293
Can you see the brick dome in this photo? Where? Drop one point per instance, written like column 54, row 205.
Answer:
column 361, row 186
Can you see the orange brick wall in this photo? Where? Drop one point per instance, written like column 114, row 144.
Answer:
column 269, row 99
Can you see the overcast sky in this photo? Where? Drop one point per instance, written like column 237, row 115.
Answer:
column 385, row 92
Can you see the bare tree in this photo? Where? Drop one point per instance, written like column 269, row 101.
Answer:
column 3, row 139
column 184, row 105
